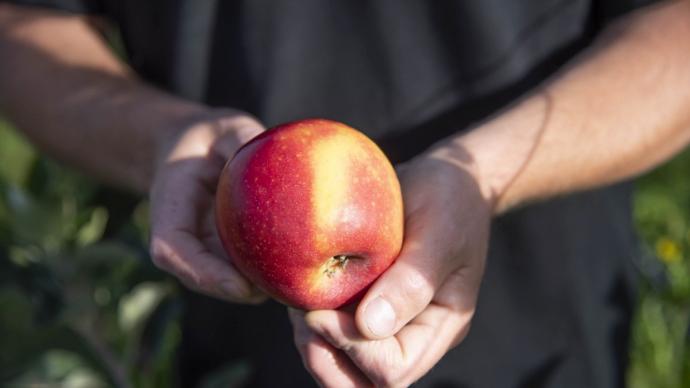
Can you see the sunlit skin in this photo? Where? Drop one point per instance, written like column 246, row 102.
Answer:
column 620, row 108
column 311, row 212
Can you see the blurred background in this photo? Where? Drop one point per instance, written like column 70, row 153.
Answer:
column 82, row 306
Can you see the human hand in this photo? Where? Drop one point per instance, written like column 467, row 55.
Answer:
column 184, row 240
column 422, row 305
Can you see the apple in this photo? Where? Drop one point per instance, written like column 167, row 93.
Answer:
column 311, row 212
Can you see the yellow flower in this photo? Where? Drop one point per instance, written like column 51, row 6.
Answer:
column 667, row 250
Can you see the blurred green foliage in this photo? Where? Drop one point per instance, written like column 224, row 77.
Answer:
column 660, row 355
column 81, row 305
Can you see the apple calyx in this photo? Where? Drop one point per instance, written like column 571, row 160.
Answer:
column 336, row 264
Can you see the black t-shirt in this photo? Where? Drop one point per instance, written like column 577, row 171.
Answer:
column 557, row 296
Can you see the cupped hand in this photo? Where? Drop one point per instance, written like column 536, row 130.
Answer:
column 184, row 240
column 422, row 305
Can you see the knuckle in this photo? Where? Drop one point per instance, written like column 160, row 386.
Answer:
column 462, row 294
column 417, row 289
column 302, row 348
column 315, row 358
column 463, row 334
column 192, row 280
column 460, row 336
column 164, row 257
column 388, row 371
column 310, row 362
column 337, row 341
column 388, row 379
column 192, row 283
column 159, row 256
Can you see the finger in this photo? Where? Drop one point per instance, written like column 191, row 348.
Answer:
column 407, row 287
column 329, row 366
column 376, row 359
column 399, row 360
column 210, row 238
column 178, row 202
column 332, row 368
column 442, row 325
column 222, row 135
column 244, row 128
column 427, row 338
column 182, row 255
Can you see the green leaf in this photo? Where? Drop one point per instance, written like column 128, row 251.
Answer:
column 139, row 304
column 36, row 222
column 153, row 352
column 92, row 230
column 59, row 368
column 31, row 340
column 16, row 156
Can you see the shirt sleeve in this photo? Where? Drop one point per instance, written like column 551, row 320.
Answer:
column 75, row 6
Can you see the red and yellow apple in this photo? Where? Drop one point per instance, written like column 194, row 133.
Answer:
column 311, row 212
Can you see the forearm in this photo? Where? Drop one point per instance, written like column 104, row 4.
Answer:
column 621, row 108
column 62, row 86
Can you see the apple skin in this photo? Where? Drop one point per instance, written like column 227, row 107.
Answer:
column 311, row 212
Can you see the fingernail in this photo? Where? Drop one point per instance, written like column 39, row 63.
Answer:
column 380, row 317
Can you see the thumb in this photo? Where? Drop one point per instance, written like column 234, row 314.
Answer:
column 405, row 289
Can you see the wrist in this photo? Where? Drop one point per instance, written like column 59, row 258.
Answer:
column 504, row 151
column 454, row 153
